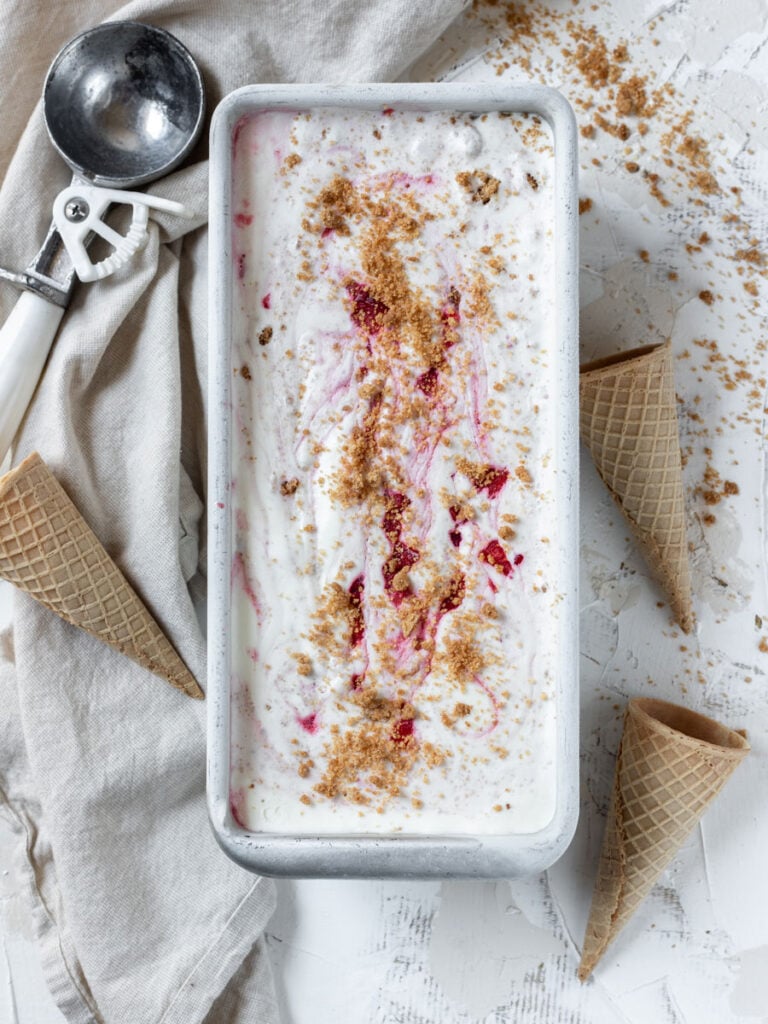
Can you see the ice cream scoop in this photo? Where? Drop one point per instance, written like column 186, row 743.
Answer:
column 123, row 105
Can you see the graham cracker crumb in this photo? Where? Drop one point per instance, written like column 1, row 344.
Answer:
column 480, row 185
column 464, row 657
column 303, row 664
column 632, row 99
column 377, row 751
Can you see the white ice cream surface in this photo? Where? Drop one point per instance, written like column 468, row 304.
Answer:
column 395, row 586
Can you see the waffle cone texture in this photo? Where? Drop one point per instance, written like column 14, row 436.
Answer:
column 628, row 420
column 671, row 764
column 48, row 550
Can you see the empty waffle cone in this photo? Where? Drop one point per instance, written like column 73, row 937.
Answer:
column 48, row 550
column 671, row 764
column 628, row 420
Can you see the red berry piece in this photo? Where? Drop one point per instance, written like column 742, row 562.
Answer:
column 459, row 520
column 493, row 553
column 427, row 382
column 494, row 480
column 401, row 556
column 455, row 594
column 402, row 731
column 357, row 619
column 488, row 478
column 367, row 311
column 309, row 723
column 451, row 318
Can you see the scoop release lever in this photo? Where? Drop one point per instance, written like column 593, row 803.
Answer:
column 79, row 211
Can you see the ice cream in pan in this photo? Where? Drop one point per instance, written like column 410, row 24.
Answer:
column 395, row 588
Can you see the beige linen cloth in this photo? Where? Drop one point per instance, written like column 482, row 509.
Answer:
column 139, row 916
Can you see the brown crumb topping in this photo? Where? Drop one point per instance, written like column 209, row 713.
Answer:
column 334, row 204
column 464, row 657
column 337, row 616
column 713, row 488
column 373, row 757
column 632, row 98
column 479, row 185
column 303, row 664
column 289, row 487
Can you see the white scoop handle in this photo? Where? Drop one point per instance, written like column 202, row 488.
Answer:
column 27, row 335
column 25, row 341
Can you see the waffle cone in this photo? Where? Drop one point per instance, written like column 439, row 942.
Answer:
column 628, row 420
column 48, row 550
column 671, row 764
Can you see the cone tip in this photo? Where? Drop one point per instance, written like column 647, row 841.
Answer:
column 185, row 682
column 591, row 952
column 681, row 602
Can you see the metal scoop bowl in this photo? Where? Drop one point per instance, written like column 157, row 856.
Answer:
column 124, row 105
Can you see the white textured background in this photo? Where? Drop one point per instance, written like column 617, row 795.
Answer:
column 697, row 952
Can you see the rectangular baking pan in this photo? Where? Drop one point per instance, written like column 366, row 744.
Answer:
column 396, row 855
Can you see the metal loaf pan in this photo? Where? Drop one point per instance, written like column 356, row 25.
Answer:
column 389, row 856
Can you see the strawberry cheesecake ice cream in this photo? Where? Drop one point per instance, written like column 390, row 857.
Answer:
column 396, row 600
